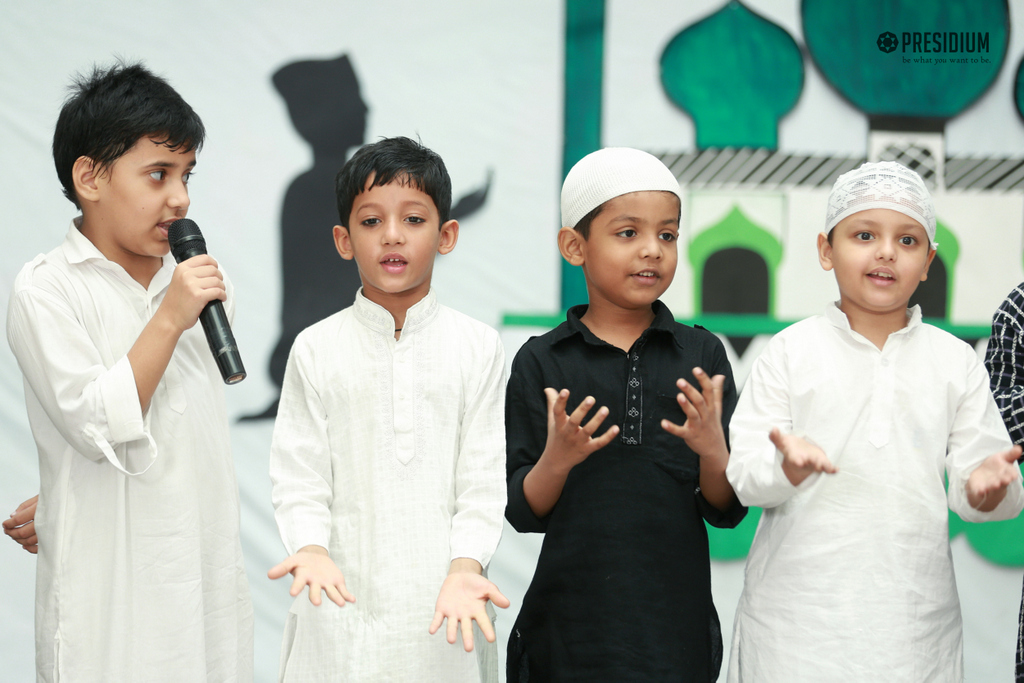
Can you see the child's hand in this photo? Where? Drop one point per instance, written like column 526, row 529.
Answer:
column 463, row 598
column 800, row 459
column 570, row 441
column 22, row 525
column 195, row 283
column 986, row 487
column 313, row 566
column 702, row 430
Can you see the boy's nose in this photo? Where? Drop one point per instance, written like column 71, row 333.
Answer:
column 179, row 198
column 392, row 233
column 886, row 249
column 651, row 248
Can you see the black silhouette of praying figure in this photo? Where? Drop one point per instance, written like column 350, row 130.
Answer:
column 327, row 110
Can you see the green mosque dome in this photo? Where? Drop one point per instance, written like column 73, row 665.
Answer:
column 908, row 58
column 736, row 74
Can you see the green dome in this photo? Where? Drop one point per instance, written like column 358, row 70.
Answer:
column 847, row 40
column 736, row 74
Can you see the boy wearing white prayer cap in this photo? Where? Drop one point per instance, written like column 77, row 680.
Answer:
column 847, row 429
column 622, row 590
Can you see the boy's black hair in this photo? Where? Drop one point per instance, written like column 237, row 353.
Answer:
column 394, row 159
column 111, row 109
column 583, row 227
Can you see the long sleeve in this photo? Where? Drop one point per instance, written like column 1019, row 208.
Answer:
column 90, row 399
column 300, row 458
column 526, row 433
column 977, row 433
column 1004, row 360
column 479, row 486
column 755, row 465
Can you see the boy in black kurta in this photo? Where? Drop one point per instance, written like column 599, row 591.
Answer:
column 622, row 590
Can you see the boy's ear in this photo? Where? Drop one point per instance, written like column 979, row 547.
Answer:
column 927, row 264
column 343, row 242
column 449, row 236
column 84, row 175
column 570, row 243
column 824, row 251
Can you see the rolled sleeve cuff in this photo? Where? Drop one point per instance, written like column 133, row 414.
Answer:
column 727, row 519
column 518, row 511
column 121, row 403
column 1009, row 507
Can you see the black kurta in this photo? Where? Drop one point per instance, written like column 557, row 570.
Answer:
column 622, row 590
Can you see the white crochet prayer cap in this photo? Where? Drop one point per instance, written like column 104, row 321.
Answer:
column 882, row 185
column 609, row 173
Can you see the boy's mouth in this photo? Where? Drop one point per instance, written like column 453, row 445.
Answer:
column 165, row 226
column 646, row 276
column 393, row 263
column 882, row 276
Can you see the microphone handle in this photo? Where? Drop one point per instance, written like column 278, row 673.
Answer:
column 222, row 342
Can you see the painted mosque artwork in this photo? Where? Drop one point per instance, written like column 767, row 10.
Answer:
column 749, row 209
column 748, row 264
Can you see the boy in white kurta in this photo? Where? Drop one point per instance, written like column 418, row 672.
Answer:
column 140, row 573
column 388, row 451
column 845, row 432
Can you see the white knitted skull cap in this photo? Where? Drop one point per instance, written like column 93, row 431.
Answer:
column 882, row 185
column 609, row 173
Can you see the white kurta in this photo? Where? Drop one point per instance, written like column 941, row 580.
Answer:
column 139, row 574
column 850, row 576
column 391, row 455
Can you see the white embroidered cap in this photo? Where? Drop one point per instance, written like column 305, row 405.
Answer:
column 609, row 173
column 882, row 185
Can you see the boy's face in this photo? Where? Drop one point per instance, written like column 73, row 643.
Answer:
column 879, row 257
column 129, row 205
column 393, row 234
column 629, row 258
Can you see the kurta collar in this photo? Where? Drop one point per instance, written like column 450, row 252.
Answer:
column 663, row 322
column 838, row 319
column 78, row 249
column 379, row 319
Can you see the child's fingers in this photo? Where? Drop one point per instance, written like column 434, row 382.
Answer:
column 486, row 627
column 710, row 387
column 556, row 401
column 314, row 593
column 776, row 438
column 453, row 626
column 595, row 421
column 581, row 411
column 496, row 596
column 29, row 506
column 336, row 596
column 1011, row 455
column 343, row 589
column 674, row 429
column 467, row 634
column 436, row 623
column 603, row 440
column 279, row 570
column 21, row 534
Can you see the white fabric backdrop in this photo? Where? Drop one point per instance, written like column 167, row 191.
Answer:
column 481, row 83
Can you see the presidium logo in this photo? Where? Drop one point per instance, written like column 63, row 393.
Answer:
column 950, row 46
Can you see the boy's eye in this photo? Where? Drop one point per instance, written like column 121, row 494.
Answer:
column 668, row 236
column 187, row 177
column 369, row 222
column 416, row 219
column 908, row 241
column 863, row 235
column 157, row 175
column 628, row 232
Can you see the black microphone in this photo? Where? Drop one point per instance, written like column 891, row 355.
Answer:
column 186, row 241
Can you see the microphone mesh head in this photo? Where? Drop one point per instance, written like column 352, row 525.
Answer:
column 185, row 239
